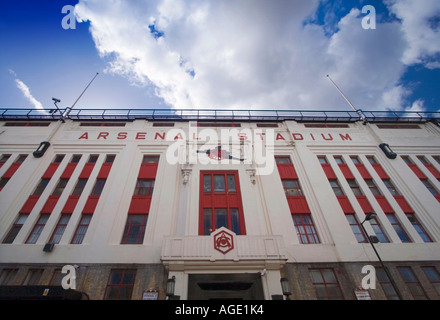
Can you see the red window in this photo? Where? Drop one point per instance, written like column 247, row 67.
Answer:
column 135, row 229
column 38, row 228
column 81, row 229
column 305, row 229
column 326, row 284
column 59, row 229
column 15, row 229
column 220, row 202
column 120, row 284
column 413, row 283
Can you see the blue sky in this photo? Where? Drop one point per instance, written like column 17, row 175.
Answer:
column 246, row 54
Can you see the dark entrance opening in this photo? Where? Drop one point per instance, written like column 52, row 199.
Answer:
column 236, row 286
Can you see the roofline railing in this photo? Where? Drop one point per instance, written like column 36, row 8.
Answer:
column 220, row 115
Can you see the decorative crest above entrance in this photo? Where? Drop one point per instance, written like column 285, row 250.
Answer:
column 223, row 240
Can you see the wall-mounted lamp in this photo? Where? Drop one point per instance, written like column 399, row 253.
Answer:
column 171, row 285
column 285, row 286
column 41, row 149
column 387, row 150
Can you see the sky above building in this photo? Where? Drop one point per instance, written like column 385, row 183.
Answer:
column 224, row 54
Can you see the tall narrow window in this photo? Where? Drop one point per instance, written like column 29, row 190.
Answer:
column 144, row 187
column 220, row 202
column 60, row 187
column 326, row 285
column 433, row 277
column 419, row 228
column 292, row 187
column 79, row 187
column 33, row 277
column 305, row 229
column 386, row 284
column 413, row 283
column 59, row 229
column 134, row 229
column 377, row 228
column 99, row 186
column 81, row 229
column 354, row 187
column 15, row 229
column 356, row 228
column 397, row 227
column 430, row 187
column 336, row 187
column 38, row 228
column 372, row 186
column 41, row 186
column 120, row 285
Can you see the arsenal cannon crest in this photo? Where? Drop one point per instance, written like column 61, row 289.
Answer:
column 223, row 241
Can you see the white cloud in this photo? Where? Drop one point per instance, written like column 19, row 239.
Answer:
column 26, row 92
column 249, row 53
column 420, row 22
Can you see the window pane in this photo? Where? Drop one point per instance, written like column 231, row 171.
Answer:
column 221, row 219
column 231, row 183
column 207, row 183
column 207, row 221
column 219, row 183
column 235, row 221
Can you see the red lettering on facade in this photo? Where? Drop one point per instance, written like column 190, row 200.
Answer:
column 85, row 135
column 346, row 137
column 242, row 136
column 141, row 135
column 159, row 135
column 122, row 135
column 297, row 136
column 329, row 137
column 261, row 135
column 279, row 137
column 103, row 135
column 178, row 136
column 312, row 137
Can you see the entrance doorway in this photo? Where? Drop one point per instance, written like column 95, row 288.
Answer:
column 236, row 286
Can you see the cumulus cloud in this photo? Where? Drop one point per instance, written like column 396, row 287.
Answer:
column 26, row 92
column 420, row 24
column 253, row 53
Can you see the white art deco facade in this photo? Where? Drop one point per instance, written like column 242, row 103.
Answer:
column 223, row 204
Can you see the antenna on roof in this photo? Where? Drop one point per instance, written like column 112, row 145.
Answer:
column 358, row 111
column 66, row 113
column 46, row 144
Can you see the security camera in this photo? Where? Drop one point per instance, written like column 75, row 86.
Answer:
column 56, row 100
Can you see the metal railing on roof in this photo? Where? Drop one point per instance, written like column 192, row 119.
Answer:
column 219, row 115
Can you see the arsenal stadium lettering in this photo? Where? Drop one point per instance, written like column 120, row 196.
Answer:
column 181, row 135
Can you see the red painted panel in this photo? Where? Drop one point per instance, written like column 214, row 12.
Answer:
column 70, row 204
column 140, row 205
column 67, row 173
column 384, row 204
column 87, row 170
column 148, row 171
column 50, row 204
column 287, row 171
column 380, row 171
column 51, row 170
column 363, row 171
column 329, row 171
column 90, row 205
column 365, row 205
column 105, row 170
column 403, row 204
column 10, row 172
column 345, row 204
column 29, row 204
column 417, row 171
column 433, row 170
column 346, row 171
column 298, row 204
column 437, row 197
